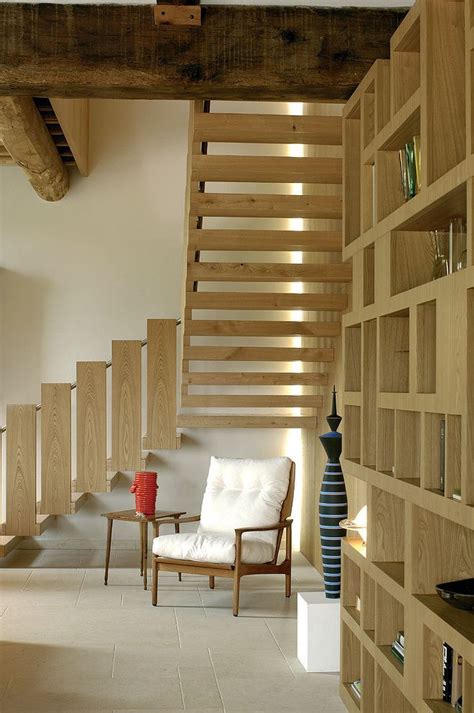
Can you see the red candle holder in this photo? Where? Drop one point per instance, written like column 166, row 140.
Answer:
column 145, row 488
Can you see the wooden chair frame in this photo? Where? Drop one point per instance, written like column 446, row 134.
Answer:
column 239, row 569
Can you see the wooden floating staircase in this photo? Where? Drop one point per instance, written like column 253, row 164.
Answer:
column 203, row 363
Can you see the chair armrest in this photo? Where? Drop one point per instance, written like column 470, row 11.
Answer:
column 266, row 528
column 173, row 521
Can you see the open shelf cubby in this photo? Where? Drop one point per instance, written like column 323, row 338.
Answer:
column 386, row 534
column 394, row 352
column 353, row 358
column 409, row 335
column 426, row 347
column 351, row 591
column 350, row 660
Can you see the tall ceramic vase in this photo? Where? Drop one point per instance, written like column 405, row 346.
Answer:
column 332, row 506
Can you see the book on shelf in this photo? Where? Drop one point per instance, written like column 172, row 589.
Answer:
column 447, row 672
column 457, row 494
column 410, row 168
column 358, row 604
column 456, row 686
column 356, row 687
column 398, row 647
column 458, row 705
column 401, row 638
column 442, row 454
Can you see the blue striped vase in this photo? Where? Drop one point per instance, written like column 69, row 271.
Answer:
column 332, row 506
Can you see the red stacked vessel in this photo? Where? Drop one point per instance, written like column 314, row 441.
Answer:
column 145, row 488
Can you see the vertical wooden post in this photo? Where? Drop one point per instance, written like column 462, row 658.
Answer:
column 161, row 384
column 56, row 449
column 91, row 427
column 21, row 470
column 126, row 405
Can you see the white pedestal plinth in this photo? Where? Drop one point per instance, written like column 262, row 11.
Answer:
column 318, row 632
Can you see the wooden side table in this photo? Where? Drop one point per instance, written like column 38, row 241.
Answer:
column 131, row 516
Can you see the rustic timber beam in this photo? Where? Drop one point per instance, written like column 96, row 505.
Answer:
column 239, row 52
column 27, row 140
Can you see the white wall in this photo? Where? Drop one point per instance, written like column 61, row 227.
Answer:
column 91, row 268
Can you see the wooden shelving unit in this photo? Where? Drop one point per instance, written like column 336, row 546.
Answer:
column 409, row 365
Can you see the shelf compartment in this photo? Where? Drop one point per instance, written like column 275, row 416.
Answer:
column 389, row 191
column 459, row 623
column 386, row 441
column 434, row 469
column 426, row 347
column 442, row 551
column 386, row 529
column 369, row 275
column 407, row 446
column 350, row 658
column 368, row 114
column 368, row 682
column 367, row 608
column 445, row 87
column 351, row 178
column 433, row 673
column 353, row 357
column 368, row 200
column 351, row 588
column 468, row 483
column 351, row 440
column 453, row 455
column 411, row 259
column 389, row 620
column 369, row 393
column 388, row 698
column 405, row 64
column 394, row 352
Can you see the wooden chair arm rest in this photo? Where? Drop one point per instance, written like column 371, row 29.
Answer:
column 266, row 528
column 173, row 521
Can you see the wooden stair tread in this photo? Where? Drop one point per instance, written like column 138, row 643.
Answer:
column 268, row 272
column 268, row 128
column 251, row 401
column 263, row 205
column 267, row 169
column 236, row 353
column 260, row 328
column 8, row 543
column 266, row 301
column 261, row 240
column 237, row 421
column 232, row 378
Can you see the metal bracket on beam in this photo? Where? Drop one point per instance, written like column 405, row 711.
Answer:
column 174, row 14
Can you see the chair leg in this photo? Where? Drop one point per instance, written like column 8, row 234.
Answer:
column 212, row 582
column 236, row 595
column 288, row 585
column 154, row 576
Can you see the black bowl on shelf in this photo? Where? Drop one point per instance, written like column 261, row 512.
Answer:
column 459, row 594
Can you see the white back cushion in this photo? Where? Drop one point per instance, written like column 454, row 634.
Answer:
column 244, row 492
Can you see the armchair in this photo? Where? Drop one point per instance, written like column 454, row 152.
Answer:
column 245, row 510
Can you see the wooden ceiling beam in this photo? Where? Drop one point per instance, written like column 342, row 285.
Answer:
column 239, row 52
column 27, row 140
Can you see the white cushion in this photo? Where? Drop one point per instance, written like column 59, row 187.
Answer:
column 244, row 492
column 212, row 548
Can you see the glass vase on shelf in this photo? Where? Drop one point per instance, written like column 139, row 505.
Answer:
column 440, row 244
column 457, row 244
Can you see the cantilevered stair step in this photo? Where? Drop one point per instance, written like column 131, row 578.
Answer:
column 236, row 353
column 251, row 401
column 268, row 272
column 266, row 169
column 260, row 328
column 229, row 421
column 266, row 301
column 242, row 378
column 8, row 543
column 262, row 240
column 268, row 129
column 244, row 205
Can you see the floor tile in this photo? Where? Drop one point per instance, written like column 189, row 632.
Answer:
column 151, row 658
column 245, row 664
column 200, row 691
column 41, row 660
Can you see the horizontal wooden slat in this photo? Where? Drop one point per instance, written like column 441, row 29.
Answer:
column 260, row 328
column 265, row 300
column 268, row 129
column 268, row 272
column 242, row 378
column 233, row 353
column 243, row 205
column 262, row 421
column 267, row 169
column 262, row 240
column 251, row 401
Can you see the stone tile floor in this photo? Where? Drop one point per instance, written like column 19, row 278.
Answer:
column 71, row 644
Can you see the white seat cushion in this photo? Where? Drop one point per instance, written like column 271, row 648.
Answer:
column 244, row 492
column 219, row 549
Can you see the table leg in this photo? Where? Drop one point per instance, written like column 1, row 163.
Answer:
column 110, row 522
column 176, row 529
column 140, row 525
column 145, row 553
